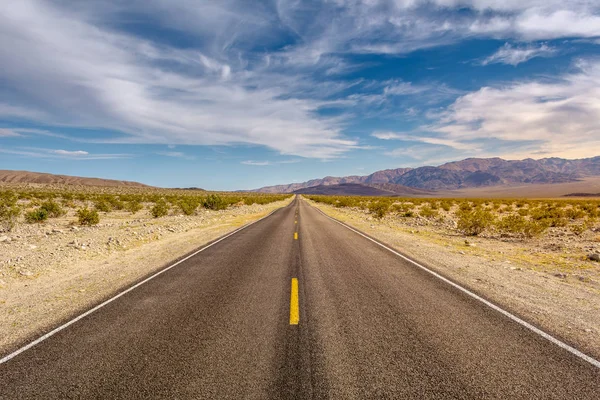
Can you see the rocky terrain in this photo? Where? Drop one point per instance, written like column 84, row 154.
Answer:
column 469, row 173
column 552, row 280
column 52, row 270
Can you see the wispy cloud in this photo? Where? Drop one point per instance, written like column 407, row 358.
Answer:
column 175, row 154
column 256, row 163
column 514, row 56
column 265, row 162
column 421, row 138
column 33, row 152
column 8, row 133
column 75, row 153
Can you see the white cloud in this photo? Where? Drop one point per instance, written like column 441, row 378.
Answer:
column 511, row 55
column 256, row 163
column 549, row 118
column 34, row 152
column 8, row 133
column 175, row 154
column 420, row 138
column 70, row 153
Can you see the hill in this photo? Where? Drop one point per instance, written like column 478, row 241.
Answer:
column 25, row 177
column 465, row 174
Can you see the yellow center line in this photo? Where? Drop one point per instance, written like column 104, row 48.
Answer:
column 294, row 304
column 295, row 235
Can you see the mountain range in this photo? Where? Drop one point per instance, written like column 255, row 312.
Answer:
column 24, row 177
column 468, row 173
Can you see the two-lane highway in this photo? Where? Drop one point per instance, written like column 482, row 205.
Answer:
column 367, row 324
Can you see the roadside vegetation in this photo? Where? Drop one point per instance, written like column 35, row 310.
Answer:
column 88, row 205
column 512, row 218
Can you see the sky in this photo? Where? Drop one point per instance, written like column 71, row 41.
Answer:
column 238, row 94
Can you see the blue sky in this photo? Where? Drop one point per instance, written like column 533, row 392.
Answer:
column 238, row 94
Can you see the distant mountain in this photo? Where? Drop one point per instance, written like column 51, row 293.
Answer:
column 469, row 173
column 8, row 176
column 361, row 189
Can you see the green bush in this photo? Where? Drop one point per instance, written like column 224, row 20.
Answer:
column 87, row 216
column 36, row 216
column 9, row 211
column 215, row 202
column 160, row 209
column 133, row 206
column 115, row 203
column 379, row 209
column 517, row 224
column 473, row 223
column 428, row 212
column 189, row 205
column 52, row 208
column 103, row 205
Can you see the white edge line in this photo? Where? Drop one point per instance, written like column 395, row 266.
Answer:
column 513, row 317
column 99, row 306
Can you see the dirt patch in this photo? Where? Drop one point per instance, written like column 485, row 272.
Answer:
column 548, row 281
column 50, row 272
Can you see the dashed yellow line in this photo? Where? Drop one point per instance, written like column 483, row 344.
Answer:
column 294, row 304
column 295, row 235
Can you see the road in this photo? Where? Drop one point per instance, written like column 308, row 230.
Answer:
column 371, row 325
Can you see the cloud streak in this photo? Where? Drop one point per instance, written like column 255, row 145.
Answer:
column 514, row 56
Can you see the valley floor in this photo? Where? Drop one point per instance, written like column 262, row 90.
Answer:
column 548, row 281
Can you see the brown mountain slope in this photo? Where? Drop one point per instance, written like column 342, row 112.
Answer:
column 22, row 177
column 361, row 189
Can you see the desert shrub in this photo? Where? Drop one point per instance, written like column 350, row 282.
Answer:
column 189, row 205
column 53, row 209
column 550, row 215
column 428, row 212
column 523, row 212
column 517, row 224
column 9, row 211
column 215, row 202
column 408, row 214
column 36, row 216
column 511, row 224
column 474, row 222
column 578, row 229
column 465, row 206
column 574, row 213
column 115, row 203
column 87, row 217
column 68, row 203
column 102, row 205
column 160, row 209
column 446, row 205
column 379, row 209
column 133, row 206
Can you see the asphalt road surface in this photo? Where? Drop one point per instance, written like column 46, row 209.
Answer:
column 365, row 324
